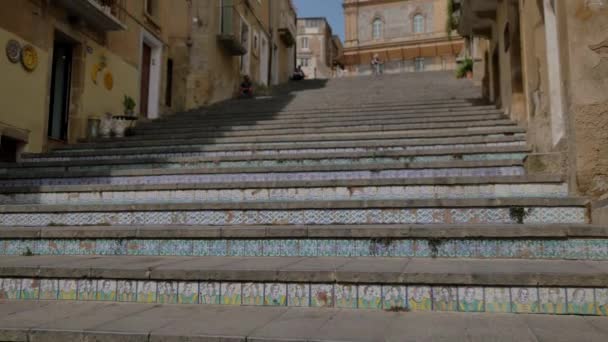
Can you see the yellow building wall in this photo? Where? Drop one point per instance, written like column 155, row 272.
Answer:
column 23, row 94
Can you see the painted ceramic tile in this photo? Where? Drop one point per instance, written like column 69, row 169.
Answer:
column 553, row 249
column 4, row 247
column 346, row 248
column 467, row 248
column 143, row 247
column 321, row 295
column 188, row 293
column 272, row 248
column 79, row 247
column 146, row 292
column 10, row 288
column 552, row 301
column 218, row 248
column 176, row 247
column 381, row 248
column 308, row 248
column 446, row 248
column 253, row 248
column 394, row 297
column 524, row 300
column 445, row 298
column 236, row 248
column 403, row 248
column 346, row 296
column 110, row 247
column 422, row 249
column 364, row 248
column 253, row 294
column 419, row 298
column 326, row 248
column 575, row 249
column 370, row 297
column 200, row 247
column 598, row 249
column 470, row 299
column 581, row 301
column 126, row 291
column 167, row 292
column 209, row 293
column 106, row 290
column 68, row 289
column 298, row 295
column 487, row 248
column 498, row 299
column 290, row 248
column 30, row 289
column 87, row 290
column 601, row 299
column 231, row 294
column 275, row 294
column 49, row 247
column 49, row 289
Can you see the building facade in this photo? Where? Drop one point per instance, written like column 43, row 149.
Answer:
column 316, row 47
column 69, row 61
column 407, row 35
column 546, row 64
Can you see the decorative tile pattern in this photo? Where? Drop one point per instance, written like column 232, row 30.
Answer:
column 188, row 293
column 369, row 297
column 346, row 296
column 471, row 299
column 106, row 290
column 498, row 300
column 231, row 293
column 445, row 298
column 49, row 289
column 581, row 301
column 68, row 289
column 210, row 293
column 30, row 289
column 552, row 301
column 253, row 294
column 167, row 292
column 394, row 297
column 419, row 298
column 321, row 296
column 146, row 292
column 275, row 294
column 601, row 300
column 298, row 295
column 524, row 300
column 126, row 291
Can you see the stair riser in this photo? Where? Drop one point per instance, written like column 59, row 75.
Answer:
column 398, row 297
column 217, row 151
column 268, row 177
column 532, row 249
column 444, row 215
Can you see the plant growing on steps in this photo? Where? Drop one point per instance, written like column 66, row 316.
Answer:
column 129, row 105
column 518, row 214
column 465, row 68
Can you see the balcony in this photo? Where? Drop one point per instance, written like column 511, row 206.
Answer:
column 287, row 29
column 104, row 15
column 233, row 32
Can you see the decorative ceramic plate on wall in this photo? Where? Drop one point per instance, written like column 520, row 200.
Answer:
column 108, row 80
column 13, row 51
column 29, row 58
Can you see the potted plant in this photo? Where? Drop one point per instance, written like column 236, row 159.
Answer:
column 465, row 69
column 122, row 122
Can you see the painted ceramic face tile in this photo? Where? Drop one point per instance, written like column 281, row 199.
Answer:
column 419, row 298
column 601, row 297
column 209, row 293
column 167, row 292
column 253, row 294
column 370, row 297
column 581, row 302
column 231, row 293
column 68, row 289
column 106, row 290
column 321, row 295
column 9, row 288
column 471, row 299
column 146, row 292
column 394, row 297
column 30, row 289
column 126, row 291
column 299, row 295
column 524, row 300
column 86, row 290
column 498, row 300
column 48, row 289
column 346, row 296
column 275, row 294
column 188, row 293
column 446, row 298
column 552, row 301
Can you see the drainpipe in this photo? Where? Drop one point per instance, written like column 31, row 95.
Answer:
column 271, row 45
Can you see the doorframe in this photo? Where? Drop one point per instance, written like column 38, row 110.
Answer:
column 154, row 83
column 264, row 54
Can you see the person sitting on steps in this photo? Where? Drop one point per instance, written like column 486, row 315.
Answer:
column 377, row 65
column 246, row 89
column 298, row 74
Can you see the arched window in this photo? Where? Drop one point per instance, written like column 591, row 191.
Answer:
column 419, row 23
column 377, row 28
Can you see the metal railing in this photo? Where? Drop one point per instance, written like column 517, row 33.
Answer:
column 114, row 8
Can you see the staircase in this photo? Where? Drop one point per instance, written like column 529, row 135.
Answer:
column 366, row 200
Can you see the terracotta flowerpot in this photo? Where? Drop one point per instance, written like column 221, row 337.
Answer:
column 469, row 75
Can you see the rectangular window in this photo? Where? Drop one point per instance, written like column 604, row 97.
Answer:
column 419, row 64
column 304, row 43
column 151, row 7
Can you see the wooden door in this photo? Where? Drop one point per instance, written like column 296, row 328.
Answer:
column 145, row 80
column 61, row 76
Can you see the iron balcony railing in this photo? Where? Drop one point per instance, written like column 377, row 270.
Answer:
column 104, row 15
column 234, row 32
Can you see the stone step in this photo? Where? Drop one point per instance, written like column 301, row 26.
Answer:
column 114, row 321
column 328, row 190
column 184, row 161
column 470, row 140
column 445, row 211
column 277, row 172
column 533, row 242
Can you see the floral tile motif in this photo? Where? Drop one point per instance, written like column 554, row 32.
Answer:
column 581, row 301
column 146, row 292
column 471, row 299
column 326, row 248
column 370, row 297
column 601, row 300
column 498, row 300
column 19, row 247
column 253, row 248
column 30, row 289
column 382, row 248
column 394, row 297
column 322, row 296
column 290, row 248
column 575, row 249
column 106, row 290
column 447, row 249
column 176, row 247
column 346, row 248
column 467, row 248
column 231, row 293
column 253, row 294
column 275, row 294
column 487, row 248
column 10, row 288
column 445, row 298
column 236, row 248
column 49, row 247
column 143, row 247
column 79, row 247
column 272, row 248
column 126, row 291
column 188, row 293
column 598, row 249
column 553, row 249
column 209, row 293
column 201, row 248
column 524, row 300
column 110, row 247
column 346, row 296
column 552, row 301
column 422, row 249
column 403, row 248
column 49, row 289
column 218, row 248
column 308, row 248
column 167, row 292
column 68, row 289
column 298, row 295
column 419, row 298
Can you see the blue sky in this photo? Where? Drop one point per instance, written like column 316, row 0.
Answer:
column 331, row 9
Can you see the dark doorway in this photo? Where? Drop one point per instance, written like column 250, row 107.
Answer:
column 9, row 149
column 60, row 88
column 496, row 78
column 145, row 79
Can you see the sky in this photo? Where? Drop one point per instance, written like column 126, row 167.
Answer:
column 331, row 9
